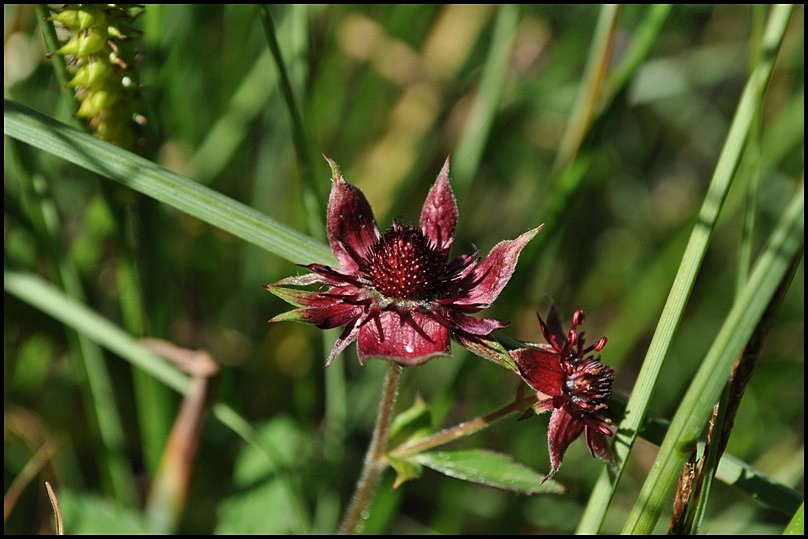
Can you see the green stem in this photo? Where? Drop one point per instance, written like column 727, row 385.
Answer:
column 311, row 194
column 464, row 429
column 375, row 461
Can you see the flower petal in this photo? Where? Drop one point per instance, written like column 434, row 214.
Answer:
column 551, row 329
column 541, row 369
column 439, row 214
column 598, row 444
column 296, row 280
column 347, row 336
column 325, row 317
column 293, row 296
column 407, row 338
column 561, row 432
column 351, row 226
column 477, row 326
column 485, row 283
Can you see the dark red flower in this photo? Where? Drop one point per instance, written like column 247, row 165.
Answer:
column 397, row 293
column 574, row 385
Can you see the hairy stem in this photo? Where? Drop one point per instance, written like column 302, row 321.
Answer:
column 464, row 429
column 375, row 461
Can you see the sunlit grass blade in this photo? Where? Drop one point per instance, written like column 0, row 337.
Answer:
column 797, row 524
column 723, row 425
column 43, row 296
column 731, row 470
column 161, row 184
column 475, row 133
column 589, row 93
column 647, row 34
column 688, row 269
column 783, row 250
column 224, row 137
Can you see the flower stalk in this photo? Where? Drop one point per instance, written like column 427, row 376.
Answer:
column 375, row 460
column 466, row 428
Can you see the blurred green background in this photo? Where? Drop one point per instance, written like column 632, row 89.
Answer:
column 388, row 91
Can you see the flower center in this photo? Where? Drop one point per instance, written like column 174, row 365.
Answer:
column 589, row 385
column 404, row 264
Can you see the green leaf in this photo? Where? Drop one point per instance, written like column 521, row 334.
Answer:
column 89, row 514
column 797, row 524
column 406, row 469
column 488, row 468
column 413, row 423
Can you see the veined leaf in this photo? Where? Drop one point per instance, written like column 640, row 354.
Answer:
column 488, row 468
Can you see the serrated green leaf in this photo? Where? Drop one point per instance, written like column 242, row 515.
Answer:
column 413, row 423
column 488, row 468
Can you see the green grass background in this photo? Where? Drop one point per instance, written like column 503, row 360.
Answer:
column 616, row 163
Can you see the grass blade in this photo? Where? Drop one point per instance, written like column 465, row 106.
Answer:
column 590, row 91
column 478, row 124
column 311, row 193
column 688, row 270
column 797, row 524
column 43, row 296
column 647, row 35
column 161, row 184
column 95, row 382
column 784, row 249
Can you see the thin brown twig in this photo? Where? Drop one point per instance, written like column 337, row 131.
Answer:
column 463, row 429
column 29, row 471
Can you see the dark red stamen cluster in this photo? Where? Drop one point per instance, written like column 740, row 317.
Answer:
column 588, row 382
column 588, row 385
column 403, row 263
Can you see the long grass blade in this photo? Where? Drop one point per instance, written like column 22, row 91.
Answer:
column 43, row 296
column 311, row 196
column 161, row 184
column 95, row 382
column 590, row 92
column 722, row 426
column 688, row 270
column 783, row 250
column 475, row 134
